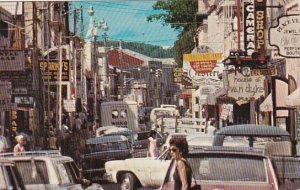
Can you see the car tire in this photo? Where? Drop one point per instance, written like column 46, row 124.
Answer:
column 128, row 182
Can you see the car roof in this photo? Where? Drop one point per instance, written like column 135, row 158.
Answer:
column 5, row 161
column 246, row 151
column 252, row 130
column 106, row 139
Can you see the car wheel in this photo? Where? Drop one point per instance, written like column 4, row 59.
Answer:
column 128, row 182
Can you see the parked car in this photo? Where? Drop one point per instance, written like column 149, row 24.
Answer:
column 138, row 172
column 99, row 150
column 9, row 176
column 253, row 135
column 228, row 168
column 49, row 170
column 138, row 141
column 287, row 170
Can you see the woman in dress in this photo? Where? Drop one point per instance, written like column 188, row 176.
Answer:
column 182, row 173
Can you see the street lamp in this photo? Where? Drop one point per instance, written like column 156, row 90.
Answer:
column 93, row 32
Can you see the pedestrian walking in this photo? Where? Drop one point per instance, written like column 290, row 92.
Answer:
column 20, row 146
column 3, row 142
column 153, row 145
column 181, row 170
column 52, row 141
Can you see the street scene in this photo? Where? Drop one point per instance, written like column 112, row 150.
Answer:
column 150, row 94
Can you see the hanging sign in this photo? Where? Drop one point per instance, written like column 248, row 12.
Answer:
column 203, row 67
column 286, row 36
column 177, row 75
column 249, row 35
column 245, row 88
column 260, row 23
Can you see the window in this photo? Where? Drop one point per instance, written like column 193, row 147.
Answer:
column 12, row 178
column 288, row 172
column 229, row 168
column 33, row 173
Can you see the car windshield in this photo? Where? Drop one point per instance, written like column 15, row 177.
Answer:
column 33, row 172
column 228, row 168
column 288, row 172
column 66, row 173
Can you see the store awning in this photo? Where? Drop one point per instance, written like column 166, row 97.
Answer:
column 267, row 104
column 212, row 98
column 293, row 99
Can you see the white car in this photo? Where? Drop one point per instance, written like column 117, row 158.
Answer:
column 138, row 172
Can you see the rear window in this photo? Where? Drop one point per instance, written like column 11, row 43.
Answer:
column 221, row 168
column 288, row 172
column 33, row 173
column 101, row 147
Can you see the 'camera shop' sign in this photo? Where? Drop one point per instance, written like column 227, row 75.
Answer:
column 286, row 36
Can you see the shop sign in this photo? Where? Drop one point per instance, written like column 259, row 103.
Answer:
column 70, row 105
column 14, row 120
column 50, row 70
column 286, row 36
column 203, row 67
column 202, row 57
column 260, row 23
column 12, row 60
column 265, row 72
column 211, row 77
column 177, row 75
column 245, row 88
column 249, row 35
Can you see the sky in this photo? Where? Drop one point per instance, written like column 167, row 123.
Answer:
column 127, row 21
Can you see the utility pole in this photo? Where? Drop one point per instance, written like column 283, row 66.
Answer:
column 121, row 67
column 60, row 71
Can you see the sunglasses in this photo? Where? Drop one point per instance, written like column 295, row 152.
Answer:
column 173, row 150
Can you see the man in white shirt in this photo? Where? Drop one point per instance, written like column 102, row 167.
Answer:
column 3, row 142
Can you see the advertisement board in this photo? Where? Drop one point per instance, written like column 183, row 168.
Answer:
column 286, row 36
column 50, row 70
column 245, row 87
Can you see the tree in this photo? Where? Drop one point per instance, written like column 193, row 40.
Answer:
column 180, row 15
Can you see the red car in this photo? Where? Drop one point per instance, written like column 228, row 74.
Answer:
column 228, row 168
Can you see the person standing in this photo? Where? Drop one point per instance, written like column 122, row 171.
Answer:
column 181, row 170
column 153, row 145
column 3, row 142
column 78, row 123
column 20, row 146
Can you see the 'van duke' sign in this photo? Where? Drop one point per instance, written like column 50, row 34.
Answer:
column 245, row 88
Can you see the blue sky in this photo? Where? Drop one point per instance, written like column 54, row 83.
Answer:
column 127, row 20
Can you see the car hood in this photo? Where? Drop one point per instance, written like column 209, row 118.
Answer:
column 53, row 187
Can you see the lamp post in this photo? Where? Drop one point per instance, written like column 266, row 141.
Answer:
column 94, row 34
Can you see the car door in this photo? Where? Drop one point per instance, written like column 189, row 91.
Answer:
column 158, row 168
column 225, row 172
